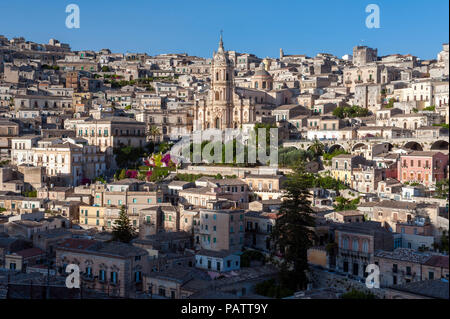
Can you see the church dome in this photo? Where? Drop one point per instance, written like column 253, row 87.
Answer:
column 262, row 79
column 261, row 72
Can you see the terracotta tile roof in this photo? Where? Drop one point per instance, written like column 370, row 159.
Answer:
column 437, row 261
column 77, row 243
column 30, row 252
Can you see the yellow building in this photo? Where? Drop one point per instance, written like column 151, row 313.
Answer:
column 342, row 166
column 92, row 216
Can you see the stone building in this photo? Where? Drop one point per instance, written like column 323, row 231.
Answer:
column 363, row 55
column 357, row 244
column 402, row 266
column 112, row 267
column 224, row 107
column 112, row 132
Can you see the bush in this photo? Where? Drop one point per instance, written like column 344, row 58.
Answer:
column 249, row 255
column 329, row 156
column 30, row 194
column 188, row 177
column 270, row 288
column 350, row 111
column 430, row 108
column 345, row 204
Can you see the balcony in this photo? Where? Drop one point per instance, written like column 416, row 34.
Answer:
column 87, row 277
column 257, row 231
column 353, row 254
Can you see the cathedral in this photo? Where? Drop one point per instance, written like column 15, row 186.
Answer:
column 224, row 107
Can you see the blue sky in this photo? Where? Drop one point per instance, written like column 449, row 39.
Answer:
column 260, row 27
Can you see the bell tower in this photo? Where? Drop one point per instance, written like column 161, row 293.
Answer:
column 221, row 93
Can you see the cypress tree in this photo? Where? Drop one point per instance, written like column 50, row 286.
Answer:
column 123, row 231
column 291, row 234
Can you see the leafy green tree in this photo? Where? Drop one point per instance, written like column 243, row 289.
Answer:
column 250, row 255
column 268, row 134
column 339, row 112
column 442, row 245
column 101, row 179
column 343, row 203
column 164, row 147
column 442, row 188
column 345, row 111
column 123, row 231
column 270, row 288
column 444, row 241
column 154, row 132
column 123, row 174
column 128, row 156
column 336, row 152
column 291, row 234
column 390, row 103
column 317, row 147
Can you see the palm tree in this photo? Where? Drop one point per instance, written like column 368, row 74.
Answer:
column 154, row 131
column 317, row 147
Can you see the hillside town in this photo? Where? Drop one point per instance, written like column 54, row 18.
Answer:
column 87, row 176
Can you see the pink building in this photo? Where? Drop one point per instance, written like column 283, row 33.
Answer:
column 423, row 167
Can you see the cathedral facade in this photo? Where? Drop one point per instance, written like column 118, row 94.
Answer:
column 224, row 108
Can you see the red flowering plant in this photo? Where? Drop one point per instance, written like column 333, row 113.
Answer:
column 132, row 174
column 159, row 165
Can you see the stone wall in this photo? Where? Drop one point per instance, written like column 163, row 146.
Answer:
column 323, row 279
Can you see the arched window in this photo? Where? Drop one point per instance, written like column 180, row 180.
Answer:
column 256, row 85
column 345, row 243
column 355, row 245
column 217, row 76
column 365, row 246
column 217, row 96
